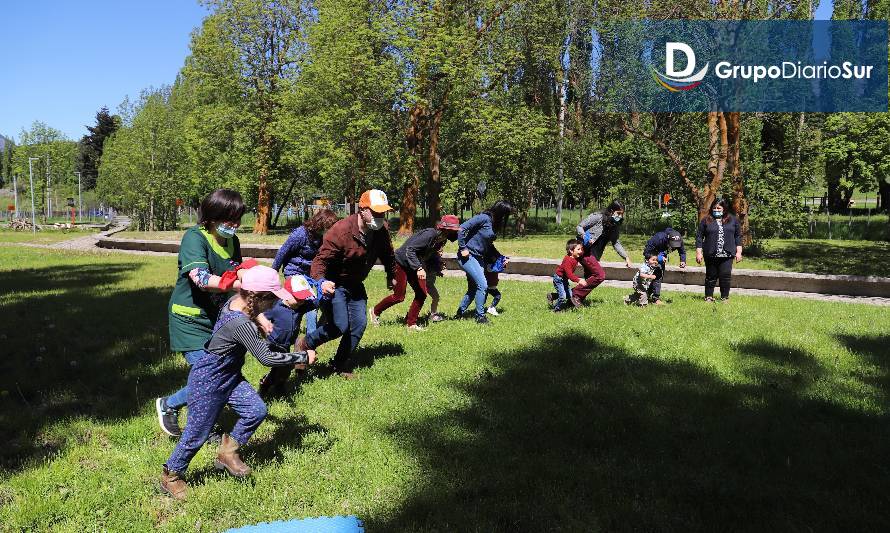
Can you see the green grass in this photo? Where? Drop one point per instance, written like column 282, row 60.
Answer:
column 44, row 236
column 795, row 255
column 748, row 415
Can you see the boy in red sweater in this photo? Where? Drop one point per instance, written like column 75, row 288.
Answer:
column 565, row 272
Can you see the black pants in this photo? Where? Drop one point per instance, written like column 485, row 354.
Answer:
column 718, row 269
column 655, row 285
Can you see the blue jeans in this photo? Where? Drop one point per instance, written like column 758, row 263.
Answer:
column 562, row 291
column 346, row 317
column 311, row 321
column 476, row 285
column 178, row 399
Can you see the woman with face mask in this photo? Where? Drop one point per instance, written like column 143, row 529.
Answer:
column 417, row 264
column 208, row 250
column 718, row 241
column 298, row 251
column 596, row 231
column 348, row 252
column 475, row 243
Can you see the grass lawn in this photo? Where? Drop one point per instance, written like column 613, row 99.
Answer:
column 45, row 236
column 795, row 255
column 747, row 415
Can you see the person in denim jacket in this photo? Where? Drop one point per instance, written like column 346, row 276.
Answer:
column 475, row 242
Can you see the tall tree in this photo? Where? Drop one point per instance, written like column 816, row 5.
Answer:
column 241, row 57
column 90, row 146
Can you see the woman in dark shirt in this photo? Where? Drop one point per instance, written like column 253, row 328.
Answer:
column 475, row 242
column 717, row 242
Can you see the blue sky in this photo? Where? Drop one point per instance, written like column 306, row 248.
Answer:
column 62, row 60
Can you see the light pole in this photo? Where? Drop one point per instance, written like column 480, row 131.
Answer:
column 79, row 200
column 31, row 174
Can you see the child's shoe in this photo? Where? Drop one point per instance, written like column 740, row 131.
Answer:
column 168, row 418
column 227, row 458
column 576, row 302
column 493, row 311
column 482, row 320
column 437, row 317
column 551, row 298
column 709, row 299
column 172, row 484
column 415, row 327
column 628, row 300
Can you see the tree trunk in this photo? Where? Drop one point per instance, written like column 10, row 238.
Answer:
column 884, row 193
column 414, row 139
column 739, row 201
column 263, row 208
column 434, row 184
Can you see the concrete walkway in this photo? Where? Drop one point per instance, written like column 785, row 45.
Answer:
column 91, row 243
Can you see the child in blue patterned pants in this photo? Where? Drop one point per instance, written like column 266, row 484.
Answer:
column 216, row 380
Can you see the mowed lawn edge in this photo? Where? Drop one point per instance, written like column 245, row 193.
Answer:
column 746, row 415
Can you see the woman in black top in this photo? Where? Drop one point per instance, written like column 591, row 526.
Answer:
column 717, row 241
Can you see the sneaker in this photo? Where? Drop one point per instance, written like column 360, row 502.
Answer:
column 627, row 300
column 482, row 320
column 550, row 298
column 437, row 317
column 460, row 314
column 374, row 319
column 168, row 418
column 658, row 302
column 576, row 301
column 709, row 299
column 493, row 311
column 415, row 327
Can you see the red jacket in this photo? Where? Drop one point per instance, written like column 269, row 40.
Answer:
column 346, row 259
column 566, row 269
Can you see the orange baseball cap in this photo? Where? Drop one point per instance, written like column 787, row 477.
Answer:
column 376, row 200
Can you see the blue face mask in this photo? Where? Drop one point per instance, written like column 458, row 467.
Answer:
column 226, row 230
column 617, row 218
column 717, row 214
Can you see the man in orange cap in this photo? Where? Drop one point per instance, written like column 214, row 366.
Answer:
column 348, row 252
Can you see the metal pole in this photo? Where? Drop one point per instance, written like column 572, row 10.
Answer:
column 33, row 209
column 79, row 199
column 49, row 205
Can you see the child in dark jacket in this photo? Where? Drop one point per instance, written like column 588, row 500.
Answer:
column 286, row 321
column 565, row 272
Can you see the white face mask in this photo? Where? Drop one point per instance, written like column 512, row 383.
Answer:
column 377, row 223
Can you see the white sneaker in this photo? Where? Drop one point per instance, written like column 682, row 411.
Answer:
column 493, row 311
column 415, row 327
column 374, row 319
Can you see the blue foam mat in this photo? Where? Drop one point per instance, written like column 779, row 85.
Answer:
column 322, row 524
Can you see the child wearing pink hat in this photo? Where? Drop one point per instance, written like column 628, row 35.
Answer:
column 216, row 379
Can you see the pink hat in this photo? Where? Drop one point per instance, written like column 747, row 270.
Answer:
column 264, row 279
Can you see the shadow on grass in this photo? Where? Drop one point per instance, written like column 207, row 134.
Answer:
column 826, row 258
column 89, row 349
column 575, row 435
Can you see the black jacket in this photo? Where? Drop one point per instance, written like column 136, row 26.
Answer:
column 419, row 249
column 706, row 235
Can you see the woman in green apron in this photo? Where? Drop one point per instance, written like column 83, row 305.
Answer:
column 207, row 251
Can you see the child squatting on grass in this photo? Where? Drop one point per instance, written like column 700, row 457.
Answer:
column 215, row 379
column 642, row 282
column 565, row 272
column 285, row 317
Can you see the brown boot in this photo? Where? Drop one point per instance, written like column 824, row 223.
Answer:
column 173, row 485
column 227, row 458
